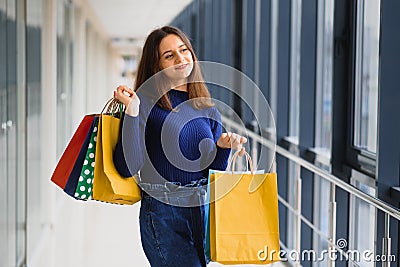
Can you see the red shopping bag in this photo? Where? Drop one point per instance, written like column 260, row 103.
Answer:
column 74, row 177
column 71, row 153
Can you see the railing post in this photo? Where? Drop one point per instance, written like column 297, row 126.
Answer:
column 298, row 216
column 386, row 242
column 332, row 221
column 254, row 144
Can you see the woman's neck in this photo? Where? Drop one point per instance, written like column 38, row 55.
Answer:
column 182, row 87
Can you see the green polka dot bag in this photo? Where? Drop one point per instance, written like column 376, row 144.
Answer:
column 85, row 183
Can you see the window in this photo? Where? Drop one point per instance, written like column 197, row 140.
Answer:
column 324, row 74
column 366, row 75
column 64, row 74
column 34, row 122
column 4, row 246
column 295, row 68
column 294, row 115
column 323, row 123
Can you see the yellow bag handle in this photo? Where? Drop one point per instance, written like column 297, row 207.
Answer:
column 255, row 183
column 248, row 160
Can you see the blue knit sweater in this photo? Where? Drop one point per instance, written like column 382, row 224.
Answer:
column 178, row 146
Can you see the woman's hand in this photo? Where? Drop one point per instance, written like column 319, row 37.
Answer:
column 233, row 141
column 128, row 97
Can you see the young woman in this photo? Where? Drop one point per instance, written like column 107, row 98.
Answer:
column 172, row 134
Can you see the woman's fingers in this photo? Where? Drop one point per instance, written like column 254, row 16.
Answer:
column 124, row 94
column 122, row 98
column 223, row 141
column 225, row 137
column 237, row 141
column 232, row 140
column 243, row 140
column 124, row 88
column 242, row 151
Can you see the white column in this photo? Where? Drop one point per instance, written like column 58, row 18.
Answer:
column 90, row 71
column 79, row 69
column 47, row 131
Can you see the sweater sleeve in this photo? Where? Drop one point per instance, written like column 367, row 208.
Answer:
column 129, row 152
column 220, row 161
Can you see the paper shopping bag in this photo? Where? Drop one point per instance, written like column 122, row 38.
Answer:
column 75, row 174
column 243, row 227
column 67, row 161
column 211, row 180
column 84, row 187
column 108, row 184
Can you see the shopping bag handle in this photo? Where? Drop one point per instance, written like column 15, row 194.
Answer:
column 257, row 180
column 248, row 160
column 113, row 106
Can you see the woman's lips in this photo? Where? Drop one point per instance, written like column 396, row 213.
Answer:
column 181, row 67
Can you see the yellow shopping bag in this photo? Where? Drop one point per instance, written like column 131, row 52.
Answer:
column 108, row 184
column 244, row 225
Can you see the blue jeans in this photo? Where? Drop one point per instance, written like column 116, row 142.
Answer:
column 172, row 235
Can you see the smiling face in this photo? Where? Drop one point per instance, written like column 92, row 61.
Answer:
column 175, row 59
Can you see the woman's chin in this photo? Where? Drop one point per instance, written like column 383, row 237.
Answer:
column 179, row 75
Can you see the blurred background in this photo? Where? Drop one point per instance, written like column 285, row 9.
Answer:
column 328, row 69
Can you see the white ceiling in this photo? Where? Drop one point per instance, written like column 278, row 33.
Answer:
column 128, row 22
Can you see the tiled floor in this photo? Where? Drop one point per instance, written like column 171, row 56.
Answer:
column 112, row 234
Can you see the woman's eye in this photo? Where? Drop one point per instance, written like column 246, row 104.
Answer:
column 168, row 56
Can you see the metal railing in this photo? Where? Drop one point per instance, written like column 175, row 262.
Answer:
column 334, row 181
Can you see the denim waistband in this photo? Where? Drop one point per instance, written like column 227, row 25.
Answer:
column 172, row 186
column 173, row 193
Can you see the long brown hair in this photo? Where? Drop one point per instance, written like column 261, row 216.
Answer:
column 149, row 65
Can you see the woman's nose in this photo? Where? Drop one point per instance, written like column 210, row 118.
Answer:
column 180, row 58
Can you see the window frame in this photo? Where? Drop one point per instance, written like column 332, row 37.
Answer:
column 359, row 159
